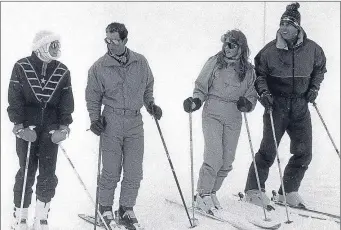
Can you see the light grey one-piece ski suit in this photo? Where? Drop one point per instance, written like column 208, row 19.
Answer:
column 123, row 90
column 220, row 89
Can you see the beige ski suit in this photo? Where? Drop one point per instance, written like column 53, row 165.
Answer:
column 221, row 120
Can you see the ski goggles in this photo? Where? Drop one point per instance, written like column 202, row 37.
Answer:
column 111, row 41
column 55, row 45
column 231, row 45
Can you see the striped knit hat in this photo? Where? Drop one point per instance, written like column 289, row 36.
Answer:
column 291, row 15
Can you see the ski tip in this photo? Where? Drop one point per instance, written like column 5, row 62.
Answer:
column 273, row 227
column 277, row 226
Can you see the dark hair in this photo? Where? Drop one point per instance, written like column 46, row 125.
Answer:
column 237, row 37
column 119, row 28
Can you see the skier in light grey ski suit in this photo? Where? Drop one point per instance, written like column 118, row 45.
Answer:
column 226, row 84
column 122, row 81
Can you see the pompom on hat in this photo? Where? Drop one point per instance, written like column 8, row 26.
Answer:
column 292, row 15
column 44, row 37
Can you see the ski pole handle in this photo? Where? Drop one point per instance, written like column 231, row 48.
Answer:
column 31, row 127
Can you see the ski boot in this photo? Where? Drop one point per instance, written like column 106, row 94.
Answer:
column 253, row 196
column 108, row 217
column 204, row 202
column 22, row 224
column 41, row 216
column 125, row 217
column 293, row 200
column 216, row 201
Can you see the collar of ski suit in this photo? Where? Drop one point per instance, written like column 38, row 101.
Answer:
column 282, row 44
column 111, row 61
column 41, row 66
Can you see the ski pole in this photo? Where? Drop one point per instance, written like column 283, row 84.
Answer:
column 325, row 126
column 254, row 163
column 98, row 178
column 173, row 171
column 194, row 220
column 84, row 186
column 25, row 176
column 279, row 166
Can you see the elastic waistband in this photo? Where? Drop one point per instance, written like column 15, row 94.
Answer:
column 213, row 97
column 126, row 112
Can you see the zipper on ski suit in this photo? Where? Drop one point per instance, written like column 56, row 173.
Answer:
column 293, row 79
column 293, row 70
column 42, row 113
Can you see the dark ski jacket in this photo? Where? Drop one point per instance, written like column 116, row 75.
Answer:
column 40, row 93
column 290, row 72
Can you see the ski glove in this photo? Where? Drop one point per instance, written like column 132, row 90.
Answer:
column 27, row 134
column 244, row 105
column 155, row 111
column 98, row 126
column 312, row 95
column 60, row 134
column 266, row 100
column 192, row 104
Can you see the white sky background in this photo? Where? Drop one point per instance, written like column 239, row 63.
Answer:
column 176, row 38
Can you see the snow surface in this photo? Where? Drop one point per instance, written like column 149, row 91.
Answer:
column 176, row 38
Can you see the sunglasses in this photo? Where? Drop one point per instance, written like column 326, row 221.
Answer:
column 111, row 41
column 231, row 45
column 55, row 45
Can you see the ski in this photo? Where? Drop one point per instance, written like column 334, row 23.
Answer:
column 299, row 211
column 238, row 222
column 303, row 208
column 91, row 220
column 336, row 218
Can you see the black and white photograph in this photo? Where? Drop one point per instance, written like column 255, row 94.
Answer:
column 170, row 115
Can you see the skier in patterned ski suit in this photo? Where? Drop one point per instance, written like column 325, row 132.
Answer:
column 39, row 95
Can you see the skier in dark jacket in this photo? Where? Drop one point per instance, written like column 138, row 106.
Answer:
column 289, row 72
column 39, row 95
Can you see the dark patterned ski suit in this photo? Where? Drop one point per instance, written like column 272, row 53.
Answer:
column 45, row 101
